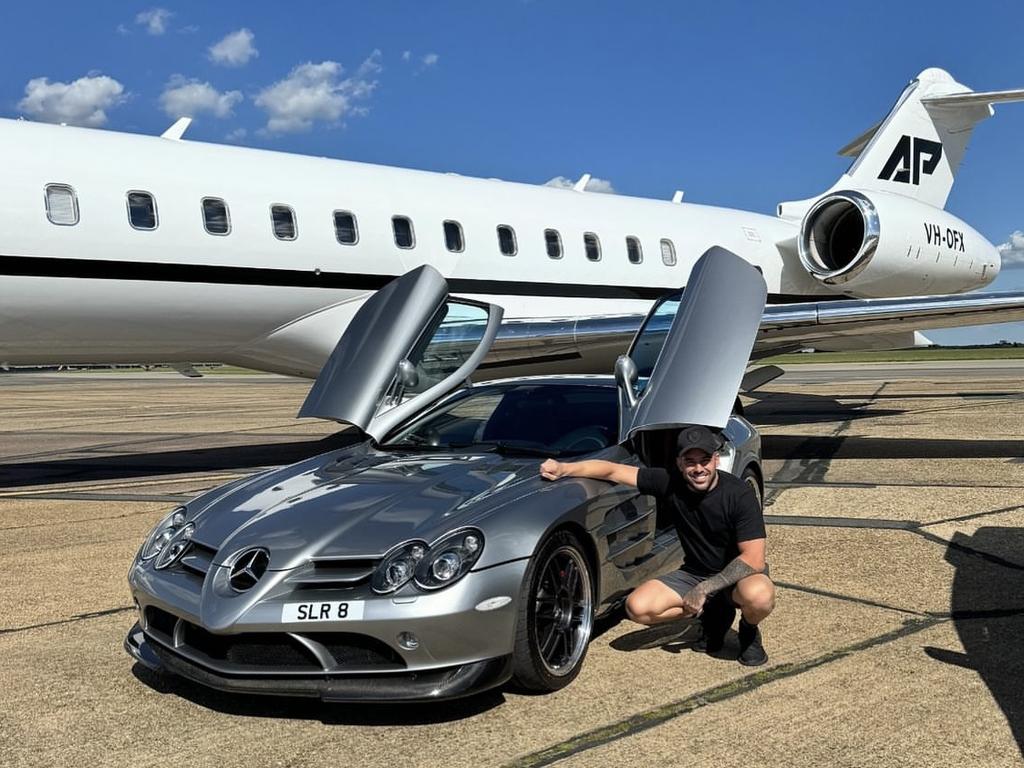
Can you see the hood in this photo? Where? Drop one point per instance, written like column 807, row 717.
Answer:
column 359, row 505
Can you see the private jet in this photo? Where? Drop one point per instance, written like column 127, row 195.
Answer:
column 121, row 248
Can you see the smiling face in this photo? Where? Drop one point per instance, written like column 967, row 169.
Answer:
column 700, row 469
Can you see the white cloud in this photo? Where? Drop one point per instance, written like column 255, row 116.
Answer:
column 316, row 92
column 430, row 59
column 83, row 102
column 235, row 49
column 236, row 135
column 594, row 185
column 188, row 98
column 406, row 55
column 154, row 20
column 1012, row 250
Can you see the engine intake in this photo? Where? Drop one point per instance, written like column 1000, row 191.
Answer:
column 838, row 237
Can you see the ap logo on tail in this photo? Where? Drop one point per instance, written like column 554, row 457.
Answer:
column 911, row 156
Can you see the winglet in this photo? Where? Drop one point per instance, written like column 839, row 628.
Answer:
column 176, row 131
column 581, row 185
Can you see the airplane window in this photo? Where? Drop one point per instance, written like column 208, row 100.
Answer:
column 668, row 253
column 553, row 243
column 215, row 216
column 283, row 219
column 453, row 237
column 345, row 228
column 507, row 240
column 61, row 205
column 633, row 250
column 404, row 237
column 592, row 245
column 142, row 210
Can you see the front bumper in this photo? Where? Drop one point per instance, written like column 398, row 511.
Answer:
column 464, row 637
column 431, row 685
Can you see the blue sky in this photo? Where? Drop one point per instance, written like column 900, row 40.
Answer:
column 739, row 104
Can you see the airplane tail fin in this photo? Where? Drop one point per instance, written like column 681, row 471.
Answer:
column 916, row 150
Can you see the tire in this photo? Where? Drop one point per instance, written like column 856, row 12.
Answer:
column 751, row 478
column 556, row 616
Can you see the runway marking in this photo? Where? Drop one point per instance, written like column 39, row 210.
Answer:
column 860, row 484
column 652, row 718
column 994, row 559
column 813, row 470
column 910, row 526
column 86, row 520
column 974, row 515
column 138, row 484
column 843, row 522
column 849, row 598
column 77, row 617
column 128, row 497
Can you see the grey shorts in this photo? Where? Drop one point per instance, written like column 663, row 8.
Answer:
column 682, row 581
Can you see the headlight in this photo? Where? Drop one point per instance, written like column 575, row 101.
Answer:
column 450, row 558
column 398, row 566
column 163, row 533
column 175, row 547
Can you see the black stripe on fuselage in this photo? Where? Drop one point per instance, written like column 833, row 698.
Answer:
column 103, row 269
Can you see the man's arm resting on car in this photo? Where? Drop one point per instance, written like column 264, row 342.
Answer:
column 751, row 560
column 595, row 469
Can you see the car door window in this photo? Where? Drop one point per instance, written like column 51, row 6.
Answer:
column 405, row 347
column 447, row 343
column 651, row 338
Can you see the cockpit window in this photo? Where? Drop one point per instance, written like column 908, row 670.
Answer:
column 556, row 419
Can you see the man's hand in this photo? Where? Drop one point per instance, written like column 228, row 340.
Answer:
column 693, row 602
column 552, row 470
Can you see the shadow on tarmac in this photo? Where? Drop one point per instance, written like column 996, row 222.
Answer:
column 786, row 408
column 796, row 447
column 138, row 464
column 987, row 607
column 294, row 708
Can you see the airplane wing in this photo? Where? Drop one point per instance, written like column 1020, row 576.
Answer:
column 591, row 344
column 812, row 324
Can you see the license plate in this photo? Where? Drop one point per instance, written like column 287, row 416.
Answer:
column 350, row 610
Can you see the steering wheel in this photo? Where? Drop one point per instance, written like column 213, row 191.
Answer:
column 592, row 438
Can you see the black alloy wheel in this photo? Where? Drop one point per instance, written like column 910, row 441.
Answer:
column 556, row 616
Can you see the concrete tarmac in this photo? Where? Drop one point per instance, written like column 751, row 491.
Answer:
column 896, row 536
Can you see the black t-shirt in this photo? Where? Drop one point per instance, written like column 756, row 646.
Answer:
column 709, row 524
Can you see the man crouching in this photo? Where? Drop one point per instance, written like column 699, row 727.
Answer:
column 722, row 532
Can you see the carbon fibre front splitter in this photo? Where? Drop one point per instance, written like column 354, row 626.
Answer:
column 430, row 685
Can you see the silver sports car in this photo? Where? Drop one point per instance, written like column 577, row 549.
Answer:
column 430, row 560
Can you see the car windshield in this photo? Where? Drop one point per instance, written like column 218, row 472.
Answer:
column 527, row 418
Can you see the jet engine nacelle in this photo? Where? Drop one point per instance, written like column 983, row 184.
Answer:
column 884, row 244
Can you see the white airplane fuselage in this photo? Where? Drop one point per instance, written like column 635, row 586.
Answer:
column 102, row 291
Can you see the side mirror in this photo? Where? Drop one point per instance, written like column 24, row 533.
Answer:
column 626, row 377
column 408, row 376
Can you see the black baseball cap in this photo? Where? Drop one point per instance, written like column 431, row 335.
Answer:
column 698, row 437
